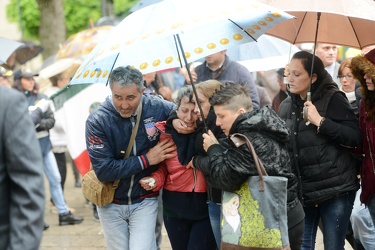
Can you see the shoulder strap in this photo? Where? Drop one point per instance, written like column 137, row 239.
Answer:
column 240, row 139
column 132, row 139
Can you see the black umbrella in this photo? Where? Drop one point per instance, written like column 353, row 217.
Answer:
column 24, row 53
column 27, row 52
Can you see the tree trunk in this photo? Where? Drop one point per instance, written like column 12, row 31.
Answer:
column 52, row 30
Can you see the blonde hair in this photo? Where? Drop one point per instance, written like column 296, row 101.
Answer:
column 209, row 87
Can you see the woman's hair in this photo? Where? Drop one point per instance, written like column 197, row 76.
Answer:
column 18, row 86
column 307, row 61
column 184, row 91
column 360, row 66
column 233, row 96
column 344, row 64
column 209, row 87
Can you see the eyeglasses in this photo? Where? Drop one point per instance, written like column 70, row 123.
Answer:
column 347, row 76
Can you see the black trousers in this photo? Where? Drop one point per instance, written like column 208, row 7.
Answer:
column 61, row 164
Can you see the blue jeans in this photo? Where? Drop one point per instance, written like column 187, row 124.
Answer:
column 371, row 208
column 54, row 180
column 128, row 227
column 362, row 225
column 214, row 211
column 335, row 215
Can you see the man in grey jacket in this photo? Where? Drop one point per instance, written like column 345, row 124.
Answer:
column 218, row 66
column 21, row 175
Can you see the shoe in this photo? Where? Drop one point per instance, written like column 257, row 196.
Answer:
column 46, row 226
column 54, row 209
column 69, row 219
column 96, row 215
column 78, row 184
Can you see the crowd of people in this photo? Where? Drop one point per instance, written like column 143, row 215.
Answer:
column 182, row 152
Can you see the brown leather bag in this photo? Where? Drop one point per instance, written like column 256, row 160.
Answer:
column 102, row 193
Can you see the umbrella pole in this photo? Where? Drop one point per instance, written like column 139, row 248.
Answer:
column 308, row 97
column 191, row 81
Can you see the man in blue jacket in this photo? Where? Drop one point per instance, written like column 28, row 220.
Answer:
column 129, row 221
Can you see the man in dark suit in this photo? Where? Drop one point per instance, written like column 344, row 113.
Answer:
column 21, row 175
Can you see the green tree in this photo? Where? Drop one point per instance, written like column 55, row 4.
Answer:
column 78, row 16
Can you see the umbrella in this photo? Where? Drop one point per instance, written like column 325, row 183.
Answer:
column 162, row 35
column 27, row 51
column 348, row 23
column 58, row 67
column 266, row 54
column 7, row 48
column 83, row 42
column 342, row 22
column 143, row 3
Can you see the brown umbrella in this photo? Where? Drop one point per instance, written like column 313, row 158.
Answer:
column 83, row 42
column 342, row 22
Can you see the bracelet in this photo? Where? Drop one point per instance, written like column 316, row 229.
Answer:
column 320, row 124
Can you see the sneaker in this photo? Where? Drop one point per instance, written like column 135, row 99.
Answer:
column 54, row 209
column 69, row 219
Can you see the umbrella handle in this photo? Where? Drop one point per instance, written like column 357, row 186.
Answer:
column 306, row 109
column 308, row 98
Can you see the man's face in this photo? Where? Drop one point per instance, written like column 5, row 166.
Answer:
column 126, row 99
column 327, row 53
column 225, row 118
column 215, row 59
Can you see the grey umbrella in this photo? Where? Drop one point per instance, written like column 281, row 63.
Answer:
column 7, row 48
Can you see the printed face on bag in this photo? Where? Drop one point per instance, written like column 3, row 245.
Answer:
column 225, row 118
column 126, row 99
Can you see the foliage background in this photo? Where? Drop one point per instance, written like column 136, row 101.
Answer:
column 78, row 14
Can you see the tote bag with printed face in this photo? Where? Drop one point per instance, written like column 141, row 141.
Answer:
column 255, row 215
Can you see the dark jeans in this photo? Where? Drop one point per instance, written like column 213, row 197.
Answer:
column 214, row 211
column 61, row 164
column 335, row 214
column 190, row 234
column 296, row 235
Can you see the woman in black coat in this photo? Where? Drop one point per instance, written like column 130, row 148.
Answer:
column 321, row 149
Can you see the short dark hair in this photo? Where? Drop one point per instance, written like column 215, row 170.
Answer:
column 126, row 76
column 233, row 96
column 184, row 91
